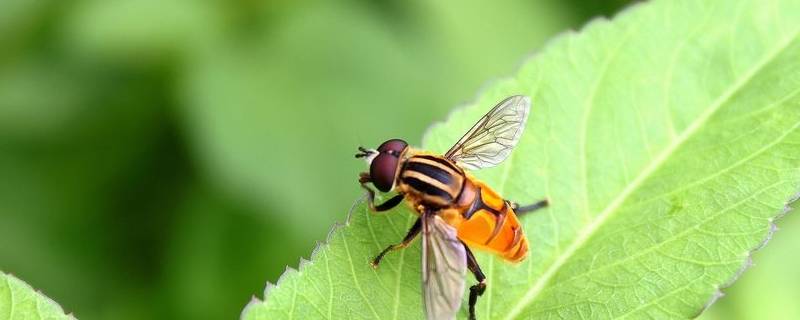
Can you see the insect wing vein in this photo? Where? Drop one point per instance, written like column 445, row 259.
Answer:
column 491, row 139
column 444, row 264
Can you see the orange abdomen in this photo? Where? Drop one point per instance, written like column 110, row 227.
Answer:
column 493, row 226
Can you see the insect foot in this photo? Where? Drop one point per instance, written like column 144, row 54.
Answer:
column 374, row 263
column 474, row 292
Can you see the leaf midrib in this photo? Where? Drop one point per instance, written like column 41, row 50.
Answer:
column 595, row 224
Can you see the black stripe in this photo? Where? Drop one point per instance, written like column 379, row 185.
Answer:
column 476, row 205
column 424, row 187
column 432, row 171
column 440, row 160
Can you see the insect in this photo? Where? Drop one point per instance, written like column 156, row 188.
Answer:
column 456, row 211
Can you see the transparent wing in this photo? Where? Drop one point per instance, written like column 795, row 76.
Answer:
column 490, row 141
column 444, row 264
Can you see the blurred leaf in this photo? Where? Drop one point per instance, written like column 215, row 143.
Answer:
column 18, row 24
column 18, row 301
column 27, row 113
column 667, row 142
column 589, row 9
column 279, row 116
column 142, row 29
column 475, row 42
column 211, row 261
column 76, row 140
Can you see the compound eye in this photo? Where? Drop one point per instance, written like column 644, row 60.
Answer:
column 382, row 171
column 395, row 146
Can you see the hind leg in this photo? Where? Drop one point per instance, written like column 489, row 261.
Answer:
column 521, row 210
column 476, row 290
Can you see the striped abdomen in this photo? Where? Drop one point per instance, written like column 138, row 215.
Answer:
column 490, row 223
column 435, row 180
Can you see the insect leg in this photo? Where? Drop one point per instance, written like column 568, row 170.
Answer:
column 476, row 290
column 410, row 236
column 520, row 210
column 364, row 178
column 391, row 203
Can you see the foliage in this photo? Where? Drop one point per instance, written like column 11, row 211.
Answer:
column 667, row 142
column 157, row 158
column 151, row 165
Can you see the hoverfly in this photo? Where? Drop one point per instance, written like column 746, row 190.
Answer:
column 456, row 210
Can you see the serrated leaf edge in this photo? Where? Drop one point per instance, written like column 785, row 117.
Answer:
column 773, row 227
column 303, row 263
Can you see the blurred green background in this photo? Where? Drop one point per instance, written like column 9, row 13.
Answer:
column 164, row 159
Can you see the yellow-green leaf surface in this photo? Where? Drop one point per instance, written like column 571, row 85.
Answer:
column 18, row 301
column 667, row 142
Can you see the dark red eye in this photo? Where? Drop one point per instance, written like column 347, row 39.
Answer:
column 382, row 171
column 395, row 146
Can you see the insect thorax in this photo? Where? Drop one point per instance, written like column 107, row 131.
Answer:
column 431, row 180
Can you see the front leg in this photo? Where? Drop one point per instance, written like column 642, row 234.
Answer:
column 389, row 204
column 364, row 178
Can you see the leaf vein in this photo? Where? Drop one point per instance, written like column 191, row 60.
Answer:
column 595, row 224
column 355, row 278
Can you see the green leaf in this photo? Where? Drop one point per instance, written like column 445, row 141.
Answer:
column 769, row 288
column 141, row 30
column 18, row 301
column 667, row 142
